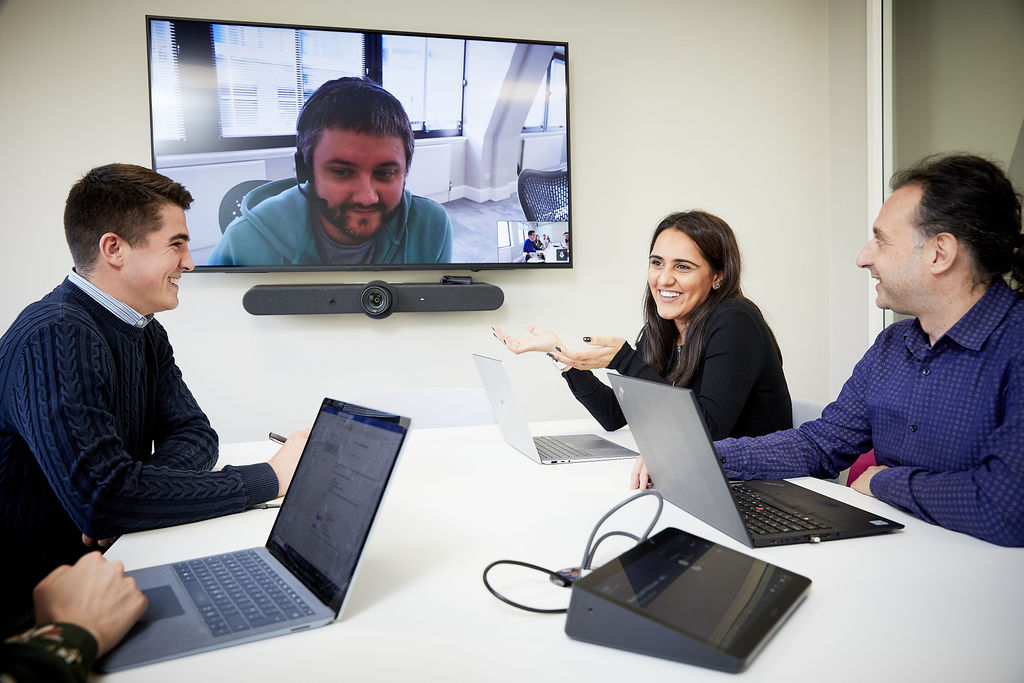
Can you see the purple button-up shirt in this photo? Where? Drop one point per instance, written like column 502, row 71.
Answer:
column 948, row 421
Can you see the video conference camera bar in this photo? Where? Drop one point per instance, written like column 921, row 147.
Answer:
column 377, row 299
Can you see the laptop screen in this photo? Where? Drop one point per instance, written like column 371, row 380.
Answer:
column 334, row 496
column 509, row 416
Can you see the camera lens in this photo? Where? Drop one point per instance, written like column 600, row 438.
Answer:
column 376, row 300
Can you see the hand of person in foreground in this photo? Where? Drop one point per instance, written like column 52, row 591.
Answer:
column 287, row 457
column 94, row 594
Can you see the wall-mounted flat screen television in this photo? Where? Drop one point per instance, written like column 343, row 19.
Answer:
column 316, row 148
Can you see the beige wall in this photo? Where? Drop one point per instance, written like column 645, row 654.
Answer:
column 752, row 110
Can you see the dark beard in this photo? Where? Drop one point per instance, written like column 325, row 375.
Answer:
column 338, row 218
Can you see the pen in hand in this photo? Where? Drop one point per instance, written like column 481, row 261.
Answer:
column 273, row 436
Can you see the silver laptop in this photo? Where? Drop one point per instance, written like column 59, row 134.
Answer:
column 681, row 459
column 547, row 450
column 301, row 578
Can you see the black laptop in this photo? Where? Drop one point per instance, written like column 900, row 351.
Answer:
column 677, row 449
column 301, row 578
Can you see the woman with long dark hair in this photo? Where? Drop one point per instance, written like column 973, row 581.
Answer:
column 699, row 332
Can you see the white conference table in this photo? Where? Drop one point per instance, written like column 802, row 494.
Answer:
column 923, row 604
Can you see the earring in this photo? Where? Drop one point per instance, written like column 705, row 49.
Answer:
column 717, row 285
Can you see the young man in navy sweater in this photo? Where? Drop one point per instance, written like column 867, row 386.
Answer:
column 98, row 433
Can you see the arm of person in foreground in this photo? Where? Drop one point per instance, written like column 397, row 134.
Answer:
column 82, row 611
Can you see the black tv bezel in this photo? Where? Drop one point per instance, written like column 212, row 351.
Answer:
column 389, row 267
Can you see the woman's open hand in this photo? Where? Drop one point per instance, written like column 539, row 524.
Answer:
column 597, row 355
column 539, row 340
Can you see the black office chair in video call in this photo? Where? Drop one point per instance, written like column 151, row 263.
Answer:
column 231, row 202
column 544, row 195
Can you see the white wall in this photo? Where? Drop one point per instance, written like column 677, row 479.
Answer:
column 853, row 318
column 958, row 70
column 674, row 104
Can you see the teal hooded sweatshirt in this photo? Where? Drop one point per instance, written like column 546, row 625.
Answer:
column 276, row 229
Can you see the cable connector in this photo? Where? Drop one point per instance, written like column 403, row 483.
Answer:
column 565, row 577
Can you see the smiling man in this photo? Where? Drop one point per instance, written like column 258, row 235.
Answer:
column 98, row 433
column 940, row 396
column 348, row 203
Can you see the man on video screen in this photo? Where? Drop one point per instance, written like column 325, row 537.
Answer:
column 348, row 203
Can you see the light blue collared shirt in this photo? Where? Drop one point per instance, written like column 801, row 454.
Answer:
column 120, row 309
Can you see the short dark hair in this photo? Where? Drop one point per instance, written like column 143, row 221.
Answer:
column 356, row 104
column 124, row 199
column 972, row 199
column 718, row 246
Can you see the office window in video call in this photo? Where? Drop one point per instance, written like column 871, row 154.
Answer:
column 489, row 120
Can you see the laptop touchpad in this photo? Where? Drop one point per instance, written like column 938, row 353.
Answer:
column 591, row 442
column 162, row 604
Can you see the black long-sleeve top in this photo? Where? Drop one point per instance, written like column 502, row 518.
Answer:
column 739, row 385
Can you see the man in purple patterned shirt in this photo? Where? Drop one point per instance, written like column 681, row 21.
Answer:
column 940, row 397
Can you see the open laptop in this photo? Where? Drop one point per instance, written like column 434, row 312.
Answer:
column 302, row 577
column 547, row 450
column 666, row 423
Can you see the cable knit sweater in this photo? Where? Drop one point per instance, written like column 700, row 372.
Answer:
column 99, row 435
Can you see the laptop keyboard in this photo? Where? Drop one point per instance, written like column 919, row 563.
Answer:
column 763, row 518
column 238, row 591
column 553, row 448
